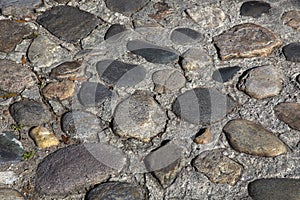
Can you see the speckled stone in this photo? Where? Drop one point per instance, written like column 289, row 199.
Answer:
column 292, row 52
column 168, row 81
column 183, row 36
column 292, row 19
column 59, row 90
column 11, row 149
column 67, row 70
column 10, row 194
column 289, row 112
column 194, row 59
column 225, row 74
column 126, row 7
column 19, row 8
column 43, row 137
column 115, row 32
column 254, row 8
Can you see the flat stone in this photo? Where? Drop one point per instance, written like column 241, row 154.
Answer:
column 76, row 167
column 11, row 149
column 8, row 193
column 289, row 113
column 202, row 106
column 119, row 73
column 245, row 41
column 168, row 81
column 19, row 8
column 194, row 59
column 140, row 117
column 152, row 53
column 126, row 7
column 184, row 36
column 248, row 137
column 12, row 33
column 59, row 90
column 8, row 177
column 292, row 52
column 218, row 168
column 116, row 190
column 203, row 136
column 225, row 74
column 115, row 32
column 29, row 113
column 292, row 19
column 43, row 137
column 68, row 23
column 261, row 82
column 67, row 70
column 275, row 189
column 15, row 77
column 254, row 8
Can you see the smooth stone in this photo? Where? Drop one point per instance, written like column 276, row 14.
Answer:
column 126, row 7
column 8, row 177
column 115, row 32
column 43, row 137
column 292, row 52
column 184, row 36
column 116, row 190
column 68, row 23
column 292, row 19
column 67, row 70
column 275, row 189
column 152, row 53
column 217, row 167
column 245, row 41
column 225, row 74
column 261, row 82
column 10, row 194
column 254, row 8
column 119, row 73
column 194, row 59
column 30, row 113
column 15, row 77
column 289, row 113
column 168, row 81
column 59, row 90
column 204, row 136
column 251, row 138
column 202, row 106
column 11, row 149
column 75, row 167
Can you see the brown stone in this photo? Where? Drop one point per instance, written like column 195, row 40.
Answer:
column 203, row 136
column 289, row 113
column 43, row 137
column 292, row 19
column 61, row 90
column 67, row 70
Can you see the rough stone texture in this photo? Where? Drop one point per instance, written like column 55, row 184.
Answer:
column 11, row 149
column 8, row 177
column 204, row 136
column 59, row 90
column 184, row 36
column 126, row 7
column 248, row 137
column 67, row 70
column 194, row 59
column 115, row 32
column 289, row 113
column 246, row 40
column 43, row 137
column 19, row 8
column 9, row 194
column 292, row 52
column 292, row 19
column 225, row 74
column 261, row 82
column 167, row 81
column 254, row 8
column 275, row 189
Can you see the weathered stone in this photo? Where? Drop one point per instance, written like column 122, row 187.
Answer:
column 8, row 177
column 11, row 149
column 203, row 136
column 126, row 7
column 59, row 90
column 167, row 81
column 9, row 194
column 43, row 137
column 292, row 52
column 194, row 59
column 289, row 113
column 292, row 19
column 115, row 32
column 67, row 70
column 254, row 8
column 184, row 36
column 248, row 137
column 246, row 40
column 225, row 74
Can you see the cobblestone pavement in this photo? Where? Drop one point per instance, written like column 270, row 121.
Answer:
column 150, row 99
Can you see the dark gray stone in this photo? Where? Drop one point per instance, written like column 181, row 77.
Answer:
column 19, row 8
column 114, row 32
column 185, row 36
column 292, row 52
column 126, row 7
column 289, row 112
column 254, row 8
column 225, row 74
column 9, row 194
column 11, row 149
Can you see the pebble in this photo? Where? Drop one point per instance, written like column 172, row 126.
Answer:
column 59, row 90
column 202, row 106
column 67, row 70
column 115, row 32
column 8, row 177
column 126, row 7
column 29, row 113
column 292, row 19
column 203, row 136
column 225, row 74
column 68, row 23
column 261, row 82
column 75, row 167
column 139, row 116
column 167, row 81
column 217, row 167
column 275, row 189
column 251, row 138
column 10, row 194
column 15, row 77
column 152, row 53
column 11, row 149
column 183, row 36
column 32, row 93
column 254, row 8
column 19, row 8
column 245, row 41
column 43, row 137
column 289, row 113
column 194, row 59
column 292, row 52
column 118, row 73
column 116, row 190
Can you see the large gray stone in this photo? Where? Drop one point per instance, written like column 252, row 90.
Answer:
column 11, row 149
column 289, row 112
column 126, row 7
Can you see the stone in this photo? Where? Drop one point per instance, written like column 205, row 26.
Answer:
column 202, row 106
column 292, row 52
column 245, row 41
column 32, row 93
column 207, row 17
column 225, row 74
column 9, row 194
column 12, row 33
column 152, row 53
column 254, row 8
column 292, row 19
column 139, row 117
column 289, row 113
column 115, row 32
column 203, row 136
column 168, row 81
column 19, row 8
column 275, row 189
column 67, row 70
column 15, row 77
column 30, row 113
column 68, row 23
column 126, row 7
column 59, row 90
column 8, row 177
column 217, row 167
column 43, row 137
column 261, row 82
column 11, row 149
column 116, row 190
column 183, row 36
column 251, row 138
column 194, row 59
column 75, row 167
column 118, row 73
column 93, row 94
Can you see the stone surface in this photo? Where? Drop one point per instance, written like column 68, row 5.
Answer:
column 11, row 149
column 275, row 189
column 261, row 82
column 202, row 106
column 254, row 8
column 126, row 7
column 29, row 113
column 59, row 90
column 248, row 137
column 217, row 167
column 152, row 53
column 68, row 23
column 246, row 40
column 10, row 194
column 292, row 52
column 184, row 36
column 289, row 113
column 19, row 8
column 203, row 136
column 8, row 177
column 225, row 74
column 67, row 70
column 140, row 117
column 43, row 137
column 115, row 32
column 292, row 19
column 194, row 59
column 75, row 167
column 167, row 81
